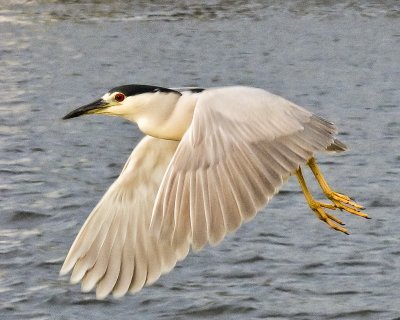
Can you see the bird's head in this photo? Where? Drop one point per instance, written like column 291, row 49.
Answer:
column 129, row 101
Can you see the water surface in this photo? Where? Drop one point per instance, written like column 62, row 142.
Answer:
column 340, row 59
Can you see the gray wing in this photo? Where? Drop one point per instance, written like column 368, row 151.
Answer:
column 189, row 89
column 114, row 249
column 243, row 143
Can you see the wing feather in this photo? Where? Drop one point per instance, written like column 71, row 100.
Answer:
column 182, row 217
column 140, row 269
column 127, row 263
column 230, row 209
column 217, row 225
column 109, row 276
column 94, row 274
column 199, row 222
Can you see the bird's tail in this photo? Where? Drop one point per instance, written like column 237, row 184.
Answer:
column 336, row 146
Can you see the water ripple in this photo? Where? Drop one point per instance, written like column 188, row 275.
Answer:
column 338, row 58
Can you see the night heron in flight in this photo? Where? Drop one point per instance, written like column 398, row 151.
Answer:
column 210, row 160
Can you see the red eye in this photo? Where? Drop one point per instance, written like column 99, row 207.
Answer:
column 119, row 97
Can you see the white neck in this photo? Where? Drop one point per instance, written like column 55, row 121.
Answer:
column 161, row 115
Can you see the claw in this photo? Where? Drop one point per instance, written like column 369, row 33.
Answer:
column 318, row 207
column 343, row 198
column 328, row 206
column 337, row 220
column 339, row 200
column 349, row 209
column 328, row 218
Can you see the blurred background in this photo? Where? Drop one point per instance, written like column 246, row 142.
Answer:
column 339, row 59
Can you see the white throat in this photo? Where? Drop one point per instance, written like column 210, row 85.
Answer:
column 161, row 115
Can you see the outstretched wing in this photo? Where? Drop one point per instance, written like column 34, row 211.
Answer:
column 243, row 143
column 114, row 249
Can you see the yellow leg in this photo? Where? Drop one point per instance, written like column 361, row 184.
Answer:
column 340, row 201
column 317, row 206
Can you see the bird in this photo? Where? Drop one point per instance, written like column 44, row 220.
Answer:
column 210, row 159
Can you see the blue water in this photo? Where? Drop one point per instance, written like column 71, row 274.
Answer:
column 339, row 59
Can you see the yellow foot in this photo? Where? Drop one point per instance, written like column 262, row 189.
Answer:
column 331, row 220
column 318, row 207
column 340, row 201
column 343, row 202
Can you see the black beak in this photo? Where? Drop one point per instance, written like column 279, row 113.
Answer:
column 87, row 109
